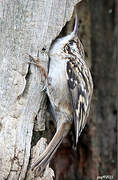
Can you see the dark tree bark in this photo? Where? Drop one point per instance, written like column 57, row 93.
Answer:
column 104, row 75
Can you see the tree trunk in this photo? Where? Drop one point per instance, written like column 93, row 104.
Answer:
column 26, row 27
column 29, row 27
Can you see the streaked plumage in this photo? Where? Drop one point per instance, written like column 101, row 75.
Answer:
column 69, row 88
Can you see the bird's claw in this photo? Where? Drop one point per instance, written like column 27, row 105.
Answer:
column 37, row 63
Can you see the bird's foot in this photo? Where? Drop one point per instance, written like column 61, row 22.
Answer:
column 36, row 62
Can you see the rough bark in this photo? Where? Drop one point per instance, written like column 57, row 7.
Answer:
column 26, row 27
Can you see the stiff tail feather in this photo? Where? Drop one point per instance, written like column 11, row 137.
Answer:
column 50, row 150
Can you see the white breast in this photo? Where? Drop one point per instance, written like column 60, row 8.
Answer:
column 57, row 71
column 57, row 83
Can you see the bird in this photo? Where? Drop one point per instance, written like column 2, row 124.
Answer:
column 69, row 86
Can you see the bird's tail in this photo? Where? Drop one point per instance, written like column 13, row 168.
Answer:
column 50, row 150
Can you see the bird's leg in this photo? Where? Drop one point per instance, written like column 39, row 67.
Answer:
column 37, row 63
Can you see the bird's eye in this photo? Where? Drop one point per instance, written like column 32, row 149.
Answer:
column 71, row 42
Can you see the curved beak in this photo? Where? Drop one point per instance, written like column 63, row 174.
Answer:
column 76, row 27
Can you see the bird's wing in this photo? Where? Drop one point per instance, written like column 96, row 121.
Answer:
column 80, row 88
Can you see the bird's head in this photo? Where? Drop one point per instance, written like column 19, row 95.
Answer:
column 69, row 45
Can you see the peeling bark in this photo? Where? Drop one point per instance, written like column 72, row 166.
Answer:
column 48, row 174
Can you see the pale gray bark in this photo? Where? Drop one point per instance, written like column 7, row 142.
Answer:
column 25, row 27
